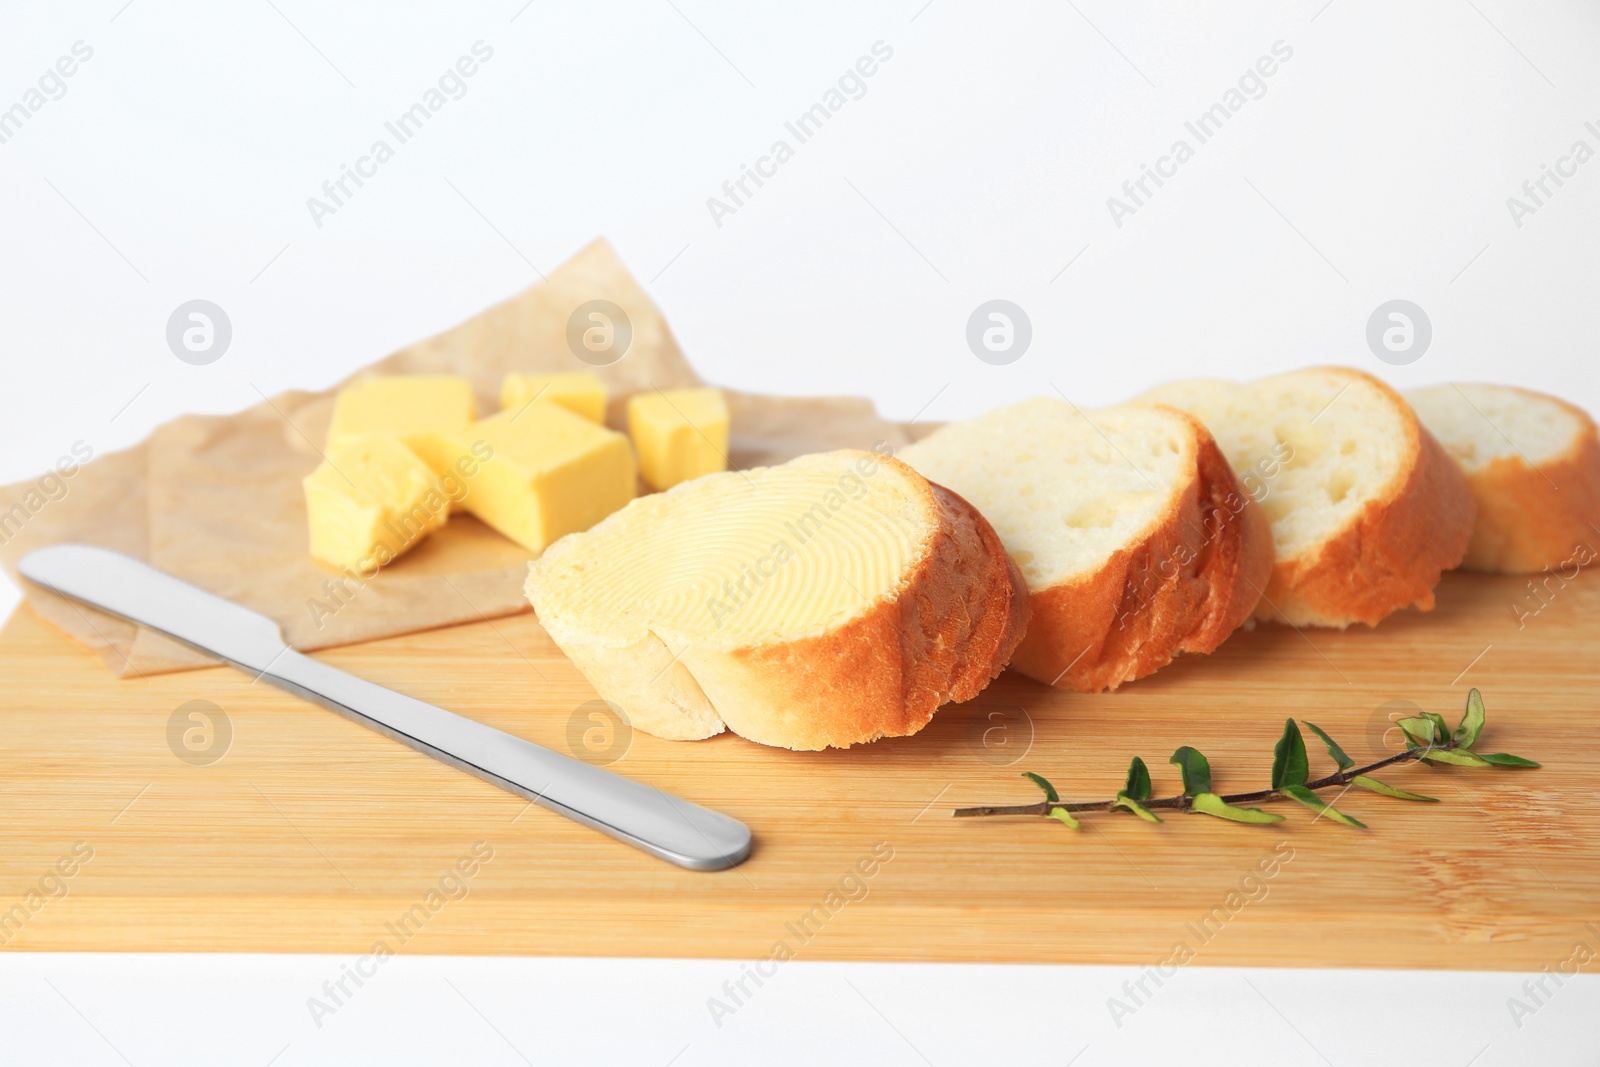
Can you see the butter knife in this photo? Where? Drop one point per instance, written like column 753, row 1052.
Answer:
column 643, row 816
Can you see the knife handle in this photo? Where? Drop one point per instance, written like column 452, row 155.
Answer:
column 641, row 815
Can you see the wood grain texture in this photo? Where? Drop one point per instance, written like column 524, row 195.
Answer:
column 314, row 834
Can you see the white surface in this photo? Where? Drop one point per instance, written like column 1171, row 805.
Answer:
column 203, row 1010
column 976, row 166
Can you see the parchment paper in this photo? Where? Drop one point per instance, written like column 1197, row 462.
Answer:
column 216, row 500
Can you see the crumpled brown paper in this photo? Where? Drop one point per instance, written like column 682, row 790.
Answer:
column 216, row 500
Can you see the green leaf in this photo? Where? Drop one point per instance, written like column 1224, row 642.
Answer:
column 1196, row 771
column 1289, row 763
column 1125, row 801
column 1315, row 803
column 1504, row 759
column 1211, row 804
column 1418, row 731
column 1388, row 790
column 1339, row 757
column 1065, row 817
column 1441, row 732
column 1459, row 757
column 1043, row 783
column 1138, row 785
column 1472, row 721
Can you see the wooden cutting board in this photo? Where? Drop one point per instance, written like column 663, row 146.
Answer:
column 310, row 833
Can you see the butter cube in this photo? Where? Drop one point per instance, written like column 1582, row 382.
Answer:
column 580, row 393
column 422, row 411
column 680, row 434
column 544, row 472
column 370, row 501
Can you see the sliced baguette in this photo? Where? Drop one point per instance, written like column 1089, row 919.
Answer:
column 1366, row 507
column 1533, row 463
column 1135, row 539
column 832, row 600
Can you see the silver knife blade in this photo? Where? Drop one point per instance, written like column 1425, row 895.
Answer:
column 661, row 824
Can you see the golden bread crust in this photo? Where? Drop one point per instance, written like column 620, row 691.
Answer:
column 1390, row 555
column 1532, row 517
column 1193, row 580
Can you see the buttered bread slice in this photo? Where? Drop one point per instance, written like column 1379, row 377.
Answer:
column 1133, row 535
column 832, row 600
column 1366, row 507
column 1533, row 463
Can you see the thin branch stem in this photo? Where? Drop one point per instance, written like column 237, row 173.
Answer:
column 1184, row 803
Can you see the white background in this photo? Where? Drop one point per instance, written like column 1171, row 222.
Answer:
column 977, row 165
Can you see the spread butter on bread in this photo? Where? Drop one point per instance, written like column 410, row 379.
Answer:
column 828, row 601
